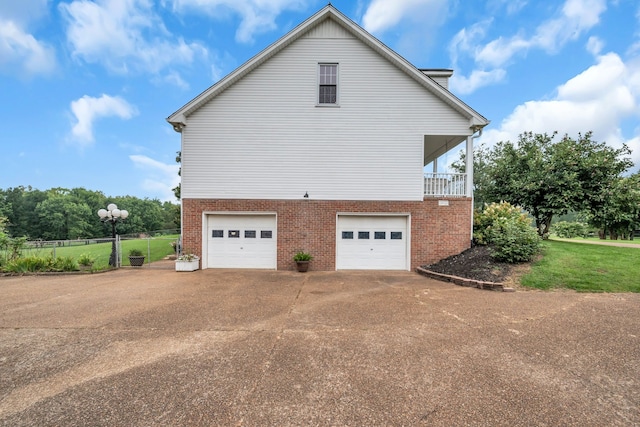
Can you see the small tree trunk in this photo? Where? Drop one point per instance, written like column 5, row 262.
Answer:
column 547, row 227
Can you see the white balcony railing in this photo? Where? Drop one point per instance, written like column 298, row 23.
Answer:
column 445, row 184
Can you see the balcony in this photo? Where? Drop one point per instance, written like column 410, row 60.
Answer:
column 445, row 184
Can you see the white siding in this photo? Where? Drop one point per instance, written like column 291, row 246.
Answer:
column 265, row 138
column 442, row 81
column 328, row 29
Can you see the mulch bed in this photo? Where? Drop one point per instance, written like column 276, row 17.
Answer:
column 474, row 263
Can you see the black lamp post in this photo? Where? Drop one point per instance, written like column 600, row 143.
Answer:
column 112, row 215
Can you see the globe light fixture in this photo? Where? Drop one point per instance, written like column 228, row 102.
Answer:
column 113, row 215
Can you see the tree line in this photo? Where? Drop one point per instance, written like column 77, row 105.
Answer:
column 548, row 178
column 66, row 214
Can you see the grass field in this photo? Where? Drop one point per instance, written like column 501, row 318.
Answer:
column 585, row 268
column 154, row 249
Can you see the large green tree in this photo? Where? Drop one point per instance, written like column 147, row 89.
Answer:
column 481, row 174
column 63, row 218
column 144, row 215
column 60, row 213
column 548, row 177
column 619, row 213
column 22, row 219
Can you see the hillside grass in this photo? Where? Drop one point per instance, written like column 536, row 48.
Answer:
column 154, row 249
column 585, row 268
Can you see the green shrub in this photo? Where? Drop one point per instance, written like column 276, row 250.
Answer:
column 569, row 230
column 507, row 231
column 302, row 256
column 135, row 252
column 10, row 247
column 512, row 242
column 65, row 263
column 16, row 266
column 34, row 264
column 86, row 260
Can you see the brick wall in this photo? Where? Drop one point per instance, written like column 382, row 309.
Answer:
column 436, row 231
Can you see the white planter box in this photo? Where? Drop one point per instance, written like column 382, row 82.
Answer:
column 188, row 265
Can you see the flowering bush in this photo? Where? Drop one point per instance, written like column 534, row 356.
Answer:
column 188, row 257
column 507, row 231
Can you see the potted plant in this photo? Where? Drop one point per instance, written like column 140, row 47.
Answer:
column 85, row 261
column 136, row 259
column 187, row 262
column 302, row 259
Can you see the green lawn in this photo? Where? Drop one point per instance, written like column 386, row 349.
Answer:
column 154, row 249
column 585, row 268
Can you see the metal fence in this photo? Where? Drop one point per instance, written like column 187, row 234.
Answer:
column 156, row 243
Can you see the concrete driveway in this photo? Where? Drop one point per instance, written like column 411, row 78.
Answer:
column 258, row 348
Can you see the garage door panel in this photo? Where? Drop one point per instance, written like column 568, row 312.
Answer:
column 372, row 242
column 241, row 241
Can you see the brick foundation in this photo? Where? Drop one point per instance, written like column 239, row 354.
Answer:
column 436, row 231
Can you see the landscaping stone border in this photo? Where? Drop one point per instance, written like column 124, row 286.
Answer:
column 461, row 281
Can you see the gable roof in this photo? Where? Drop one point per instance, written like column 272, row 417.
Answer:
column 178, row 119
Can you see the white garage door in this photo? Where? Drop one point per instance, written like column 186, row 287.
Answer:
column 372, row 243
column 241, row 241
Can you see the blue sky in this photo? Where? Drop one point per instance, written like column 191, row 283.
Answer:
column 85, row 86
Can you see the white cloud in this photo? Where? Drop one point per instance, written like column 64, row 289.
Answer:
column 173, row 78
column 23, row 53
column 466, row 39
column 23, row 12
column 635, row 47
column 514, row 6
column 594, row 45
column 478, row 78
column 20, row 51
column 577, row 16
column 499, row 51
column 162, row 177
column 583, row 14
column 124, row 36
column 574, row 19
column 220, row 63
column 420, row 21
column 383, row 14
column 88, row 109
column 216, row 73
column 597, row 81
column 599, row 99
column 257, row 16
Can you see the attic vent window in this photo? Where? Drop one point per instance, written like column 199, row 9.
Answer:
column 328, row 84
